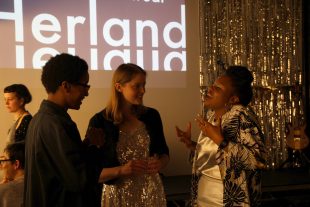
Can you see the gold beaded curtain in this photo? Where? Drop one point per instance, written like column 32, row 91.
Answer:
column 265, row 36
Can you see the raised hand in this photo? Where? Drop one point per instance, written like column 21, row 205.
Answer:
column 185, row 136
column 214, row 132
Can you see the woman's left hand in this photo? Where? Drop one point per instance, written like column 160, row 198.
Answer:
column 157, row 163
column 154, row 165
column 209, row 130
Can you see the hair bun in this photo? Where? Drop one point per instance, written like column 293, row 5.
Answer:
column 248, row 79
column 240, row 73
column 242, row 79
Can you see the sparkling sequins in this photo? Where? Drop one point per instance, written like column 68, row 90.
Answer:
column 136, row 191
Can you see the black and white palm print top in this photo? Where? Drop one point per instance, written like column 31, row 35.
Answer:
column 241, row 160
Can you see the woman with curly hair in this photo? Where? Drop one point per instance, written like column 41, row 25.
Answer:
column 230, row 153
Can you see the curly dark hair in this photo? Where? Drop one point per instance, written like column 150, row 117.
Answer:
column 62, row 67
column 21, row 92
column 242, row 79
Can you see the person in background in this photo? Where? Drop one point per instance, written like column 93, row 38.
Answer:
column 57, row 171
column 12, row 163
column 134, row 149
column 16, row 96
column 230, row 151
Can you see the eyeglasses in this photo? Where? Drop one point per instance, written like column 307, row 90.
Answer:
column 6, row 160
column 82, row 84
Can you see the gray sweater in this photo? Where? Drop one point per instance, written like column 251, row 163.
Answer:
column 11, row 193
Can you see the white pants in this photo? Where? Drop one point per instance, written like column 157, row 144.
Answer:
column 210, row 192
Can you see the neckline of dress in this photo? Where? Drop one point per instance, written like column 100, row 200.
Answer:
column 21, row 115
column 133, row 131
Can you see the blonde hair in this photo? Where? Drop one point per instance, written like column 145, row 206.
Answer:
column 123, row 74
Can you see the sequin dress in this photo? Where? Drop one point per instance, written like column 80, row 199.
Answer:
column 136, row 191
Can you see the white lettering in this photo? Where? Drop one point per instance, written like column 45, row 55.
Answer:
column 176, row 25
column 17, row 16
column 93, row 21
column 37, row 61
column 37, row 27
column 71, row 50
column 20, row 56
column 124, row 24
column 47, row 29
column 94, row 59
column 155, row 61
column 170, row 56
column 125, row 55
column 140, row 25
column 72, row 21
column 140, row 58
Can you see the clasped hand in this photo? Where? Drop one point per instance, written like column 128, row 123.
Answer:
column 136, row 167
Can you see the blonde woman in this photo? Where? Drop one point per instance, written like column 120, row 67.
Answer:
column 135, row 149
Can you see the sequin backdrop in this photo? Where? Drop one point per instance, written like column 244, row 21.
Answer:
column 265, row 36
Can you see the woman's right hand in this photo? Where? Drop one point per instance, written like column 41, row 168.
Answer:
column 131, row 168
column 185, row 136
column 134, row 167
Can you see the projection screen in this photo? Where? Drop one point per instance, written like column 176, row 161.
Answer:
column 106, row 33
